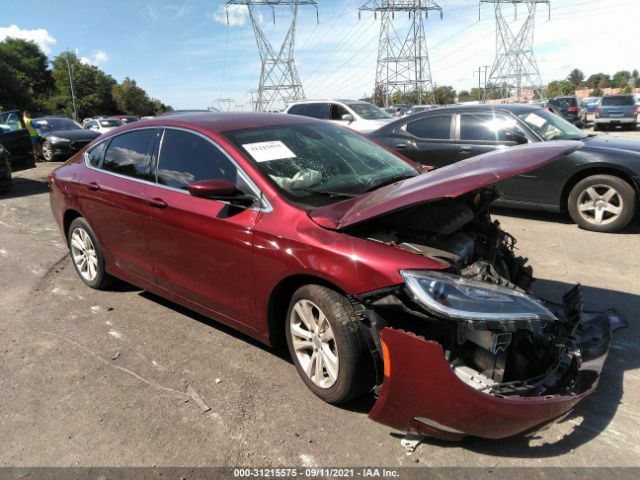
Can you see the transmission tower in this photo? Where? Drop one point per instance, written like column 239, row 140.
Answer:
column 279, row 80
column 403, row 60
column 515, row 68
column 224, row 104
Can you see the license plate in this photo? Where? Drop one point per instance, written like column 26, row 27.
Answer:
column 616, row 115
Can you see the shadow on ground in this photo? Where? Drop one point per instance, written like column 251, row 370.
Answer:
column 551, row 217
column 24, row 187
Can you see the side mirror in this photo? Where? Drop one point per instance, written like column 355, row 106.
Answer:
column 220, row 189
column 347, row 117
column 516, row 137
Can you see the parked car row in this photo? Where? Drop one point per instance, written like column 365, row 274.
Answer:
column 378, row 275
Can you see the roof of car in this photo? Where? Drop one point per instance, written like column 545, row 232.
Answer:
column 218, row 122
column 510, row 107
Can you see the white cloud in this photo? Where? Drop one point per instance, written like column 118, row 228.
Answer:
column 236, row 15
column 99, row 58
column 40, row 36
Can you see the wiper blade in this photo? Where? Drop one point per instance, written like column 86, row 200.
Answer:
column 388, row 181
column 325, row 193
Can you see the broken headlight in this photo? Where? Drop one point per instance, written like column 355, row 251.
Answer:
column 457, row 297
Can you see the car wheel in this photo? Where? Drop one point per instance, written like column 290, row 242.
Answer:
column 86, row 255
column 47, row 152
column 602, row 203
column 327, row 346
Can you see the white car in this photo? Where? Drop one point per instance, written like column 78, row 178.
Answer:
column 102, row 125
column 361, row 116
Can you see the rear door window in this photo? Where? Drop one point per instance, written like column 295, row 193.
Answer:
column 130, row 154
column 317, row 110
column 296, row 110
column 187, row 158
column 437, row 128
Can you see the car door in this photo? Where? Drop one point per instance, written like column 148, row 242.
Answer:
column 201, row 248
column 483, row 132
column 14, row 135
column 112, row 198
column 427, row 140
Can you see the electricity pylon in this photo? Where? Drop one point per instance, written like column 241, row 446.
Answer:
column 515, row 68
column 403, row 60
column 279, row 80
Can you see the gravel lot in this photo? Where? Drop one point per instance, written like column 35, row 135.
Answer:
column 94, row 378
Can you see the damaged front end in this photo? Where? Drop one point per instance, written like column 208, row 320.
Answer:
column 467, row 350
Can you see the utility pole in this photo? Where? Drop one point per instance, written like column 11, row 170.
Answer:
column 403, row 60
column 73, row 95
column 481, row 90
column 224, row 104
column 279, row 80
column 515, row 67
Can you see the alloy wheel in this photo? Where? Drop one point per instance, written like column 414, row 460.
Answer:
column 314, row 343
column 600, row 204
column 84, row 254
column 47, row 151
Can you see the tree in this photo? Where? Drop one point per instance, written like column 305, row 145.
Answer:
column 621, row 79
column 601, row 80
column 576, row 77
column 92, row 88
column 24, row 75
column 131, row 99
column 444, row 95
column 560, row 87
column 465, row 96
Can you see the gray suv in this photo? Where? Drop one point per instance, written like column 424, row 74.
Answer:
column 616, row 110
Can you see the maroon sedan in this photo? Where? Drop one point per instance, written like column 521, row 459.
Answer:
column 380, row 277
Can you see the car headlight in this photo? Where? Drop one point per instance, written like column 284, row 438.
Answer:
column 54, row 139
column 460, row 298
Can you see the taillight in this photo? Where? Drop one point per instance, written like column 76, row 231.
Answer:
column 573, row 109
column 597, row 112
column 635, row 110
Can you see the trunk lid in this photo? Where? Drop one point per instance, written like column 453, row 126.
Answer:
column 447, row 182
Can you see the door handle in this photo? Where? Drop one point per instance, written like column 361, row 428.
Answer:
column 465, row 149
column 401, row 146
column 93, row 186
column 157, row 202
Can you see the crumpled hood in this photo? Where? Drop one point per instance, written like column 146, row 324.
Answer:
column 447, row 182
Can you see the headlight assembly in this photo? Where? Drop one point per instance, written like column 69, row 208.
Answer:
column 457, row 297
column 54, row 139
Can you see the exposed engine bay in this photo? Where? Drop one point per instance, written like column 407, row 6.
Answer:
column 501, row 351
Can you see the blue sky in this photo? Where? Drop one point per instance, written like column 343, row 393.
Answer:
column 184, row 53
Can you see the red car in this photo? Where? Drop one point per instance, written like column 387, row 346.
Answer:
column 380, row 277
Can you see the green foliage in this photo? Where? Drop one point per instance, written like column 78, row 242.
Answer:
column 444, row 94
column 24, row 75
column 601, row 80
column 621, row 79
column 560, row 87
column 28, row 83
column 576, row 77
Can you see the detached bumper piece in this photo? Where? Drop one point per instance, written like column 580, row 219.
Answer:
column 422, row 394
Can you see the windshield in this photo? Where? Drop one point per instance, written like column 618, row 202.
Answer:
column 550, row 126
column 317, row 164
column 110, row 123
column 51, row 124
column 368, row 111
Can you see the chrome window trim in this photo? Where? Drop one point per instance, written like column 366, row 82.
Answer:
column 265, row 205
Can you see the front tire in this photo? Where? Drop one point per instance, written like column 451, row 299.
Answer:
column 47, row 152
column 327, row 346
column 602, row 203
column 86, row 255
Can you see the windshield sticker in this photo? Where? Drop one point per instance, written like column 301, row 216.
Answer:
column 266, row 151
column 536, row 120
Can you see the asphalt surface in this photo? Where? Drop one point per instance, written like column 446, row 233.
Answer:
column 100, row 378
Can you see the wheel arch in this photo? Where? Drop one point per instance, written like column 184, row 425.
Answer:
column 69, row 216
column 595, row 170
column 279, row 304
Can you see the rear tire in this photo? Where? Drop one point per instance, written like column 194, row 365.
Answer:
column 86, row 255
column 321, row 324
column 602, row 203
column 47, row 152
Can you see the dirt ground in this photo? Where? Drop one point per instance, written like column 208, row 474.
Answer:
column 91, row 378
